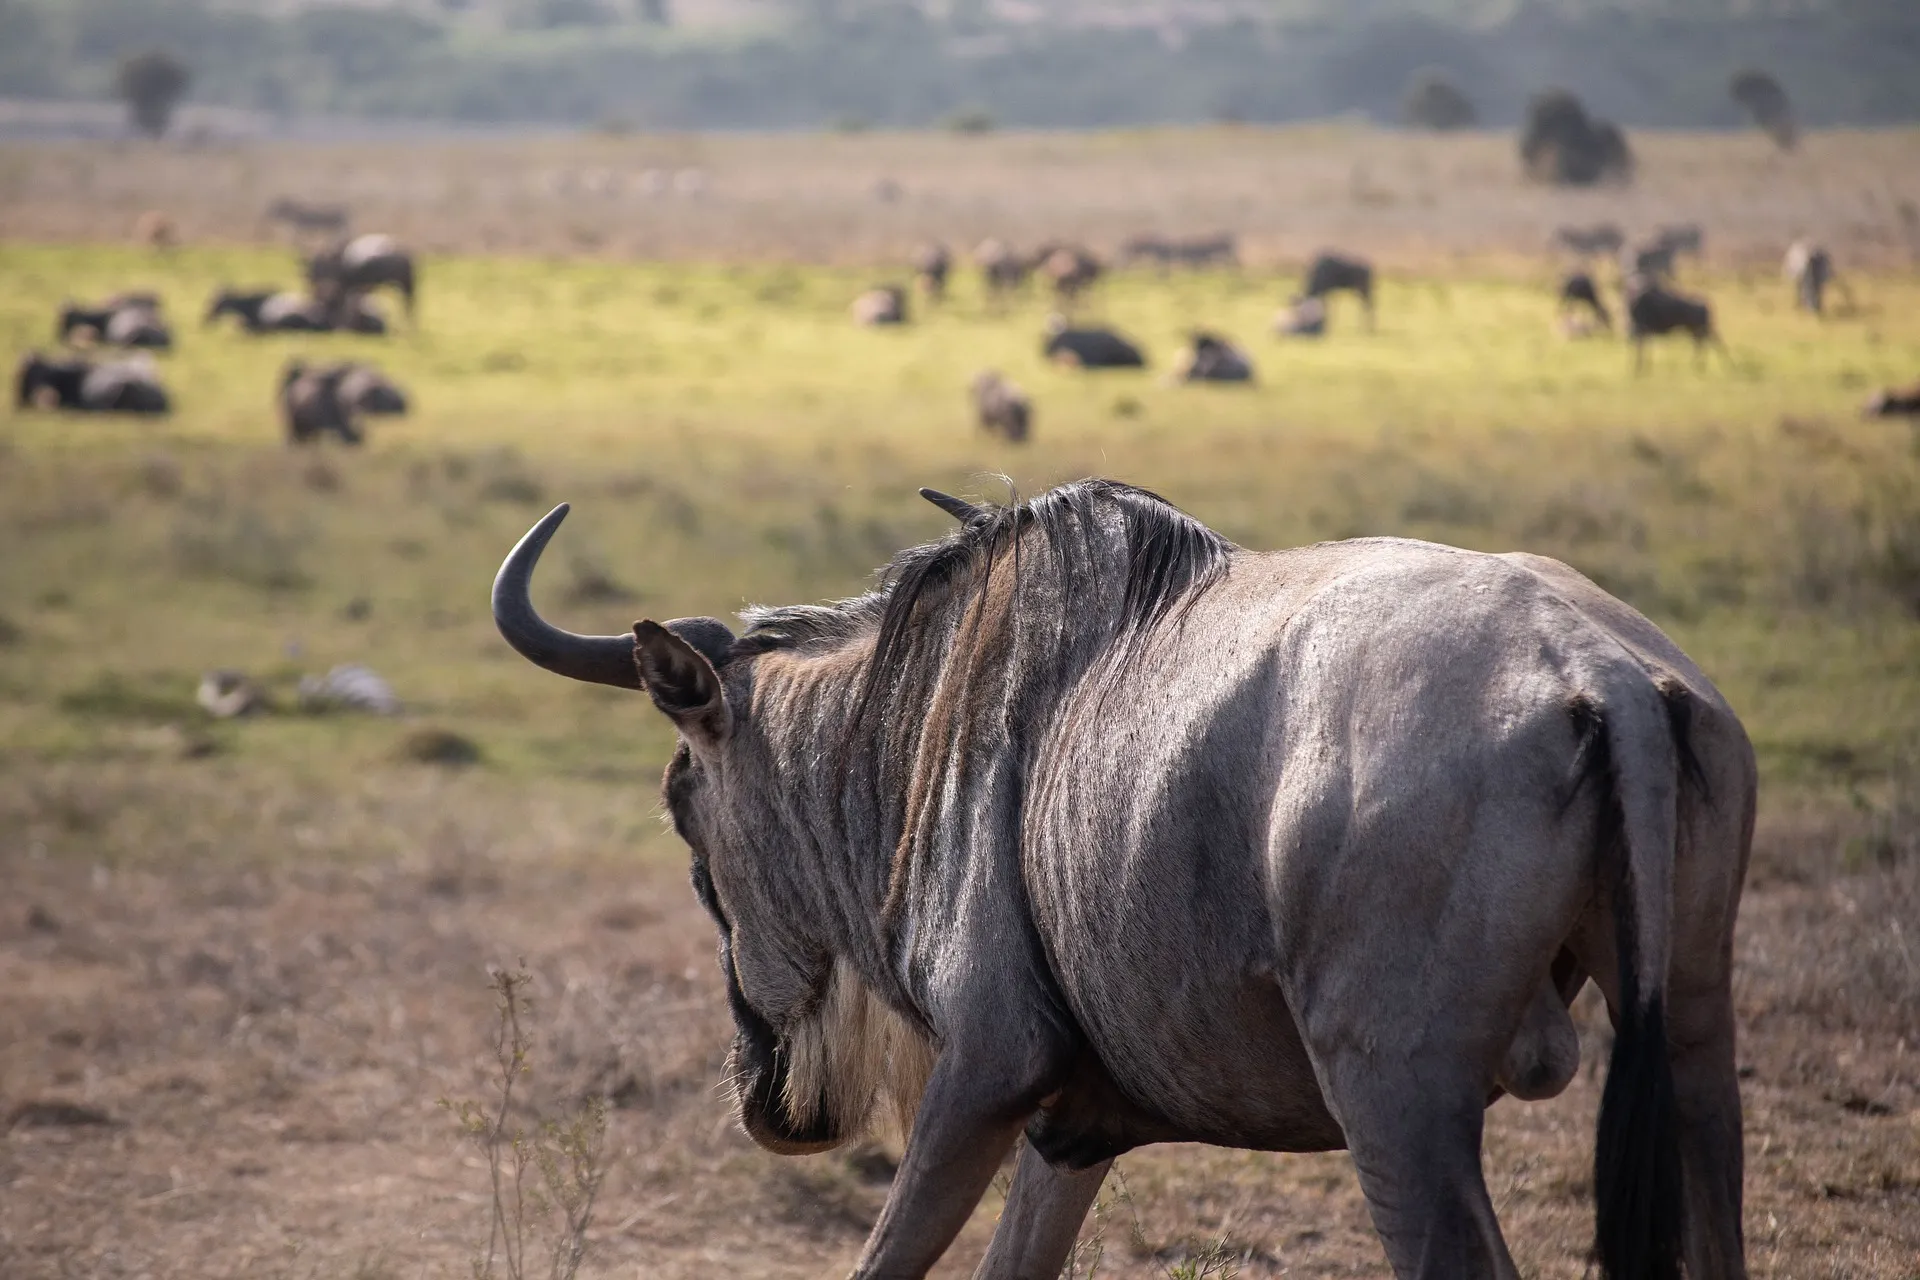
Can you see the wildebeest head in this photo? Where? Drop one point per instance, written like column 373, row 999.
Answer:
column 814, row 1048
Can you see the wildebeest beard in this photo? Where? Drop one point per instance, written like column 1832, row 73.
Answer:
column 951, row 669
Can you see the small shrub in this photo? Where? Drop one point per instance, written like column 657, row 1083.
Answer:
column 970, row 120
column 439, row 746
column 213, row 541
column 152, row 84
column 1766, row 104
column 1563, row 145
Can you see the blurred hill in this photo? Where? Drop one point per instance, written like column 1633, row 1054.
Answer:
column 887, row 63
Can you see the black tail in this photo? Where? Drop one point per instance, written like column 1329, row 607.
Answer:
column 1636, row 1166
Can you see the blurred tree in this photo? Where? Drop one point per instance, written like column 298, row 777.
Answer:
column 1562, row 144
column 1434, row 101
column 152, row 84
column 1766, row 103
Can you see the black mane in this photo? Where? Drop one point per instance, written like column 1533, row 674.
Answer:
column 1169, row 556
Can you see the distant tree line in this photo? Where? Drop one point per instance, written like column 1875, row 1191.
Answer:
column 868, row 62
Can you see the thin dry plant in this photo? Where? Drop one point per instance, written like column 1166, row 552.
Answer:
column 565, row 1157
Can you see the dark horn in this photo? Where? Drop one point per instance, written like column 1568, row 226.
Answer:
column 960, row 509
column 594, row 659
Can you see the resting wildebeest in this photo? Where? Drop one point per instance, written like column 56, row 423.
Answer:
column 362, row 264
column 1090, row 824
column 1653, row 310
column 1212, row 358
column 931, row 265
column 365, row 389
column 125, row 320
column 1302, row 318
column 282, row 311
column 1603, row 239
column 1089, row 347
column 1894, row 402
column 1577, row 289
column 81, row 386
column 312, row 404
column 1002, row 408
column 1330, row 273
column 885, row 304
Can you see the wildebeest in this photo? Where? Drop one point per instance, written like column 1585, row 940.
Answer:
column 1577, row 290
column 1652, row 259
column 1302, row 318
column 128, row 385
column 1200, row 251
column 1603, row 239
column 319, row 219
column 1211, row 358
column 153, row 229
column 1810, row 267
column 1001, row 407
column 1070, row 269
column 1090, row 825
column 1894, row 402
column 1089, row 347
column 932, row 263
column 1682, row 237
column 362, row 264
column 125, row 320
column 283, row 311
column 1654, row 310
column 884, row 304
column 312, row 404
column 1001, row 268
column 1332, row 273
column 365, row 389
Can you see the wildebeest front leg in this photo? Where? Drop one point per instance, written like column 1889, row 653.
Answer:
column 968, row 1119
column 1042, row 1219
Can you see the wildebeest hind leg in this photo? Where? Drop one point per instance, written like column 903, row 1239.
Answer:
column 1043, row 1215
column 1415, row 1137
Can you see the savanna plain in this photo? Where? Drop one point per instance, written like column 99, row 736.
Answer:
column 243, row 963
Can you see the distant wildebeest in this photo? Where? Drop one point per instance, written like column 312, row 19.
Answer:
column 1302, row 318
column 1211, row 358
column 153, row 229
column 932, row 263
column 1002, row 408
column 125, row 320
column 1069, row 270
column 1602, row 239
column 1895, row 402
column 317, row 219
column 1201, row 251
column 362, row 264
column 312, row 404
column 1682, row 237
column 1332, row 273
column 884, row 304
column 1810, row 267
column 1653, row 259
column 1089, row 347
column 1578, row 290
column 117, row 386
column 1654, row 310
column 283, row 311
column 1001, row 268
column 1090, row 825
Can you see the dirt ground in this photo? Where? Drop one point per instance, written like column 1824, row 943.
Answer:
column 233, row 1068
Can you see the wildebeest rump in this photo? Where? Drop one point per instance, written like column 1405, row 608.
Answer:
column 1332, row 273
column 1089, row 347
column 932, row 263
column 1125, row 834
column 1654, row 310
column 313, row 405
column 1810, row 267
column 1001, row 407
column 82, row 386
column 885, row 304
column 362, row 264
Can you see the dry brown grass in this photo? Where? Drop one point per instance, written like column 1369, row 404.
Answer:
column 1408, row 197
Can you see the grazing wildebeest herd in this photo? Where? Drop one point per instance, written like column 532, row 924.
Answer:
column 1132, row 835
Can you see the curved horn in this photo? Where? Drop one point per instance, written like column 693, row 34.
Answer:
column 594, row 659
column 960, row 509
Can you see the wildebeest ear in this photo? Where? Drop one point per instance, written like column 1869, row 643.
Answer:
column 681, row 681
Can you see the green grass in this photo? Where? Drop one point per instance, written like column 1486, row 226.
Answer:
column 727, row 436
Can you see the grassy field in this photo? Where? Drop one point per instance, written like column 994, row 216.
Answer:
column 290, row 914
